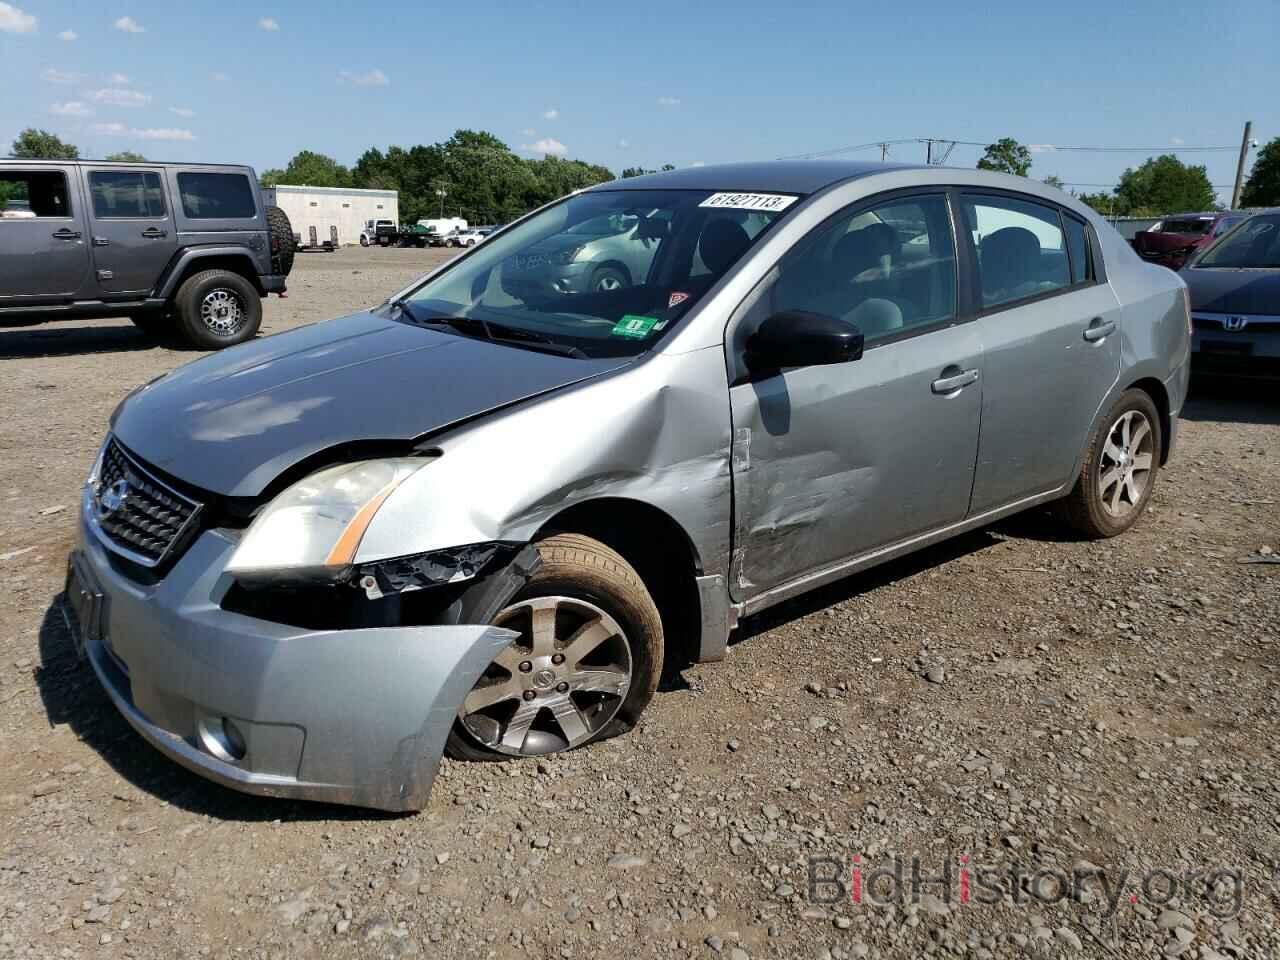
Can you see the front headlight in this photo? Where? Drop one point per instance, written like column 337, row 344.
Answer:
column 313, row 528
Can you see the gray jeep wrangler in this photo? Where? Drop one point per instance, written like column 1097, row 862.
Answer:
column 176, row 248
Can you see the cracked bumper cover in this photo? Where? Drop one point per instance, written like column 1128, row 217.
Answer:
column 357, row 716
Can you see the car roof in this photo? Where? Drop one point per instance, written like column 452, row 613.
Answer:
column 783, row 176
column 82, row 161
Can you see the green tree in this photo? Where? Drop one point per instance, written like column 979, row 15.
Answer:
column 1006, row 156
column 33, row 144
column 310, row 169
column 125, row 156
column 1104, row 203
column 1262, row 189
column 270, row 177
column 1163, row 185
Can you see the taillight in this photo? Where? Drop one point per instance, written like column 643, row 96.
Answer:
column 1186, row 305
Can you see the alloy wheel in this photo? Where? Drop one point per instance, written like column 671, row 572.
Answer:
column 1125, row 468
column 222, row 312
column 556, row 686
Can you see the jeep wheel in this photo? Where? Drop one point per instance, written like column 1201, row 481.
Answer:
column 282, row 243
column 585, row 665
column 217, row 308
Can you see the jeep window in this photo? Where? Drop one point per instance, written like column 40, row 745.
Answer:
column 33, row 195
column 216, row 196
column 1255, row 245
column 605, row 273
column 120, row 195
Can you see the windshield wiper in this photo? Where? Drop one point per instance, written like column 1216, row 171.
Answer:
column 495, row 332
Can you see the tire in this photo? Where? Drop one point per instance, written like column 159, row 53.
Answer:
column 586, row 578
column 282, row 243
column 219, row 291
column 364, row 241
column 158, row 325
column 607, row 278
column 1102, row 504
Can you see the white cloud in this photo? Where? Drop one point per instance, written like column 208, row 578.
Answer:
column 1177, row 141
column 374, row 78
column 13, row 20
column 54, row 75
column 668, row 101
column 623, row 144
column 68, row 35
column 269, row 24
column 147, row 133
column 163, row 133
column 1041, row 148
column 119, row 79
column 72, row 108
column 552, row 114
column 120, row 97
column 548, row 146
column 219, row 77
column 130, row 25
column 182, row 111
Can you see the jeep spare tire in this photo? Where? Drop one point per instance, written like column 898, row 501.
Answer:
column 282, row 243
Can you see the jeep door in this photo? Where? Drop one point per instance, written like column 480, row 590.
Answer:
column 833, row 462
column 132, row 228
column 44, row 257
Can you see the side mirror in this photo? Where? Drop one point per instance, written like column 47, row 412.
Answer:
column 798, row 338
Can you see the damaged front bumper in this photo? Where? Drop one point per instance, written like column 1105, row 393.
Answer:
column 356, row 716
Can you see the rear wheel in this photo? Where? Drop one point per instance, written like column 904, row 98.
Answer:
column 1120, row 468
column 218, row 308
column 585, row 665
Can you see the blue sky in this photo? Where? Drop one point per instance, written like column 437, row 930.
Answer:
column 644, row 83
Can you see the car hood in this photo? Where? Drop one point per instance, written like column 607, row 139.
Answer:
column 1225, row 290
column 232, row 422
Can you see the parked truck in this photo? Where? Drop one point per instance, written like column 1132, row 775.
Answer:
column 442, row 230
column 176, row 248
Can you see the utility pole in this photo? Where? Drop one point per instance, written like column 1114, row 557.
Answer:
column 884, row 152
column 1244, row 153
column 928, row 153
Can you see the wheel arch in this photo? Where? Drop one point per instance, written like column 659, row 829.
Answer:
column 663, row 554
column 1160, row 397
column 191, row 262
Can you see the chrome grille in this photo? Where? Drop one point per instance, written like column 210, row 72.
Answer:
column 139, row 516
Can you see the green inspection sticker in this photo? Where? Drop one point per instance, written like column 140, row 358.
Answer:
column 635, row 327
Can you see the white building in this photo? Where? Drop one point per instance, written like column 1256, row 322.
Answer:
column 323, row 209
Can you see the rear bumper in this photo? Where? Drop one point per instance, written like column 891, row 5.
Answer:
column 346, row 716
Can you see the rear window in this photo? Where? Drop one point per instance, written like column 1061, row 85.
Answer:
column 216, row 196
column 126, row 195
column 1187, row 225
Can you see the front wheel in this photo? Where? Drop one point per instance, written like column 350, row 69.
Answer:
column 364, row 241
column 585, row 665
column 607, row 279
column 1120, row 468
column 217, row 308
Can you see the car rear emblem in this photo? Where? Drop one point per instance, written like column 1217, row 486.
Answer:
column 1235, row 323
column 113, row 498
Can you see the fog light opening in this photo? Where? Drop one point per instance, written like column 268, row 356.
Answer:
column 221, row 737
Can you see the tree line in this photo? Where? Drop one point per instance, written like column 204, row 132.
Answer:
column 477, row 175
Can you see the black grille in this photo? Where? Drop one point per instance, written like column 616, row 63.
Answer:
column 141, row 516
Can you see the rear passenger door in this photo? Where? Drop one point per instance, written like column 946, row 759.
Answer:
column 132, row 229
column 1050, row 332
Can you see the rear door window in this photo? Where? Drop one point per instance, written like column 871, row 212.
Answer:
column 216, row 196
column 1020, row 246
column 126, row 195
column 33, row 195
column 1078, row 248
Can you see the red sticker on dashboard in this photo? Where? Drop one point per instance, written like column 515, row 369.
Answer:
column 677, row 299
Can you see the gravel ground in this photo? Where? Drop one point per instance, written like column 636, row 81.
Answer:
column 1013, row 701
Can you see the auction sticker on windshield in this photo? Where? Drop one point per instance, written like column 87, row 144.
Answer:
column 634, row 327
column 748, row 201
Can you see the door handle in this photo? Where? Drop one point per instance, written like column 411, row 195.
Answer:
column 65, row 234
column 154, row 233
column 100, row 241
column 1099, row 329
column 954, row 382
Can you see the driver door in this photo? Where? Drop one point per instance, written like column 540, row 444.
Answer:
column 834, row 462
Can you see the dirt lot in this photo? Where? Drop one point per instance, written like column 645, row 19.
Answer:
column 1014, row 701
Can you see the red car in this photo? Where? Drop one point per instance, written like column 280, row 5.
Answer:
column 1171, row 241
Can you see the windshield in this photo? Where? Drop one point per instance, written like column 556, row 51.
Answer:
column 601, row 274
column 1256, row 243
